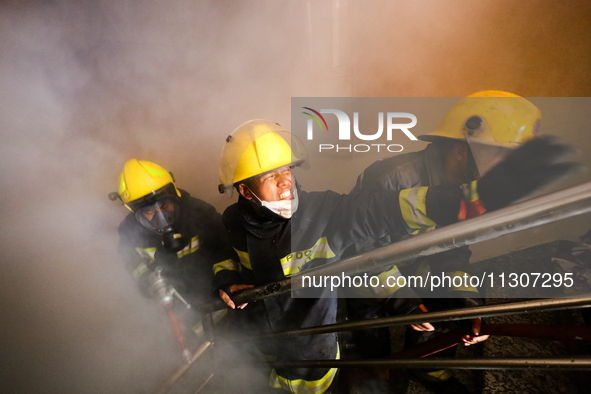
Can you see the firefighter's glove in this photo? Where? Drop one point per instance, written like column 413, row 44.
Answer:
column 525, row 170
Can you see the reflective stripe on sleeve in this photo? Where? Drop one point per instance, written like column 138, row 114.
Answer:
column 244, row 259
column 386, row 288
column 191, row 248
column 147, row 255
column 301, row 386
column 139, row 270
column 474, row 191
column 229, row 265
column 293, row 262
column 414, row 209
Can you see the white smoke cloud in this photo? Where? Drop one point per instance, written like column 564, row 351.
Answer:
column 85, row 86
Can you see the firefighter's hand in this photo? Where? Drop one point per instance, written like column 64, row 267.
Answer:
column 473, row 339
column 423, row 326
column 234, row 288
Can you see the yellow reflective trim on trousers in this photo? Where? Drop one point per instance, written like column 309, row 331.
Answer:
column 244, row 259
column 301, row 386
column 229, row 265
column 293, row 262
column 191, row 248
column 414, row 208
column 461, row 274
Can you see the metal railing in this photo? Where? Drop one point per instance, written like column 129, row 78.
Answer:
column 535, row 212
column 531, row 213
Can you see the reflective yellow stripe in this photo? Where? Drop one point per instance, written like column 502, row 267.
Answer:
column 244, row 259
column 122, row 185
column 414, row 209
column 229, row 265
column 423, row 270
column 301, row 386
column 191, row 248
column 461, row 274
column 474, row 191
column 147, row 254
column 440, row 376
column 383, row 290
column 154, row 171
column 293, row 262
column 139, row 270
column 422, row 207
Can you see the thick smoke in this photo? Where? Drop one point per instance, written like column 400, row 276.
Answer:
column 87, row 85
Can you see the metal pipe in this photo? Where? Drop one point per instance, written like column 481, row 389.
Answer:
column 578, row 363
column 544, row 305
column 204, row 384
column 535, row 212
column 208, row 327
column 180, row 371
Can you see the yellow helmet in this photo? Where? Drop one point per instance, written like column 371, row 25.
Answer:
column 492, row 122
column 493, row 117
column 141, row 180
column 256, row 147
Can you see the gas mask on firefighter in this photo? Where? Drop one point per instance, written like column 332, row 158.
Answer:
column 161, row 217
column 148, row 190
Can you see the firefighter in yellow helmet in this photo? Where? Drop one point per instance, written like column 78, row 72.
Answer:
column 477, row 133
column 170, row 230
column 278, row 230
column 492, row 122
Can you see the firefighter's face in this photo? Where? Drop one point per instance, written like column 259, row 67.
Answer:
column 272, row 186
column 149, row 213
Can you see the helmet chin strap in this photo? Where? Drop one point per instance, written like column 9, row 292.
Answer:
column 284, row 208
column 255, row 196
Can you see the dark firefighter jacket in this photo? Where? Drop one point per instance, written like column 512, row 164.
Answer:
column 190, row 269
column 326, row 223
column 413, row 170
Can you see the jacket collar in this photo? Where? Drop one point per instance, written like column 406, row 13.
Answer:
column 258, row 220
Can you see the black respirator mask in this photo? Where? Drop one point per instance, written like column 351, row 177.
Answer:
column 165, row 215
